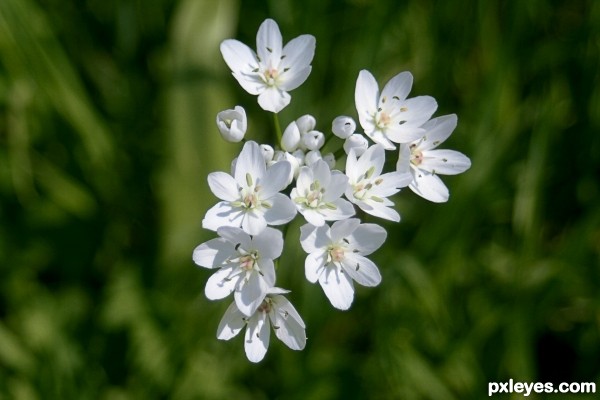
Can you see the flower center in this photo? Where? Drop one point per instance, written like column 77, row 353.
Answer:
column 335, row 253
column 248, row 261
column 265, row 306
column 314, row 198
column 382, row 119
column 270, row 76
column 250, row 200
column 416, row 155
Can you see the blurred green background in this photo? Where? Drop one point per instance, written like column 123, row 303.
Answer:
column 107, row 133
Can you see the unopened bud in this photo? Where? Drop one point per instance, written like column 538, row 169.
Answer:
column 343, row 127
column 357, row 142
column 313, row 140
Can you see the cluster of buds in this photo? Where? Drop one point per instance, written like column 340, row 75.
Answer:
column 269, row 186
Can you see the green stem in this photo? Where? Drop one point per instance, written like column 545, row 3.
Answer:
column 328, row 138
column 277, row 129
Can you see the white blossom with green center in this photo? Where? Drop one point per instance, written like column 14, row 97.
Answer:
column 391, row 117
column 368, row 188
column 337, row 257
column 425, row 162
column 318, row 192
column 245, row 265
column 275, row 311
column 272, row 70
column 250, row 198
column 232, row 124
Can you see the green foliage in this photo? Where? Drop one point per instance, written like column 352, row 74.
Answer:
column 107, row 134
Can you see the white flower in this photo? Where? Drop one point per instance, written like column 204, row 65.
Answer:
column 245, row 265
column 272, row 71
column 368, row 189
column 317, row 194
column 232, row 124
column 275, row 310
column 357, row 142
column 343, row 127
column 425, row 162
column 336, row 257
column 250, row 198
column 391, row 117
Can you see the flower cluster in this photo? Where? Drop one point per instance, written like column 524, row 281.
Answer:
column 269, row 186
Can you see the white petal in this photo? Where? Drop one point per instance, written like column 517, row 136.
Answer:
column 269, row 243
column 343, row 210
column 322, row 173
column 273, row 99
column 250, row 165
column 242, row 60
column 222, row 214
column 418, row 110
column 275, row 179
column 256, row 341
column 304, row 180
column 254, row 222
column 293, row 78
column 282, row 210
column 314, row 238
column 379, row 210
column 336, row 186
column 219, row 285
column 288, row 326
column 282, row 304
column 231, row 324
column 341, row 229
column 406, row 133
column 366, row 94
column 391, row 183
column 313, row 265
column 295, row 68
column 338, row 287
column 403, row 163
column 352, row 172
column 438, row 130
column 445, row 162
column 378, row 136
column 430, row 187
column 235, row 236
column 298, row 53
column 268, row 43
column 362, row 270
column 251, row 295
column 276, row 290
column 367, row 238
column 397, row 89
column 213, row 253
column 223, row 186
column 374, row 156
column 267, row 268
column 238, row 56
column 312, row 216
